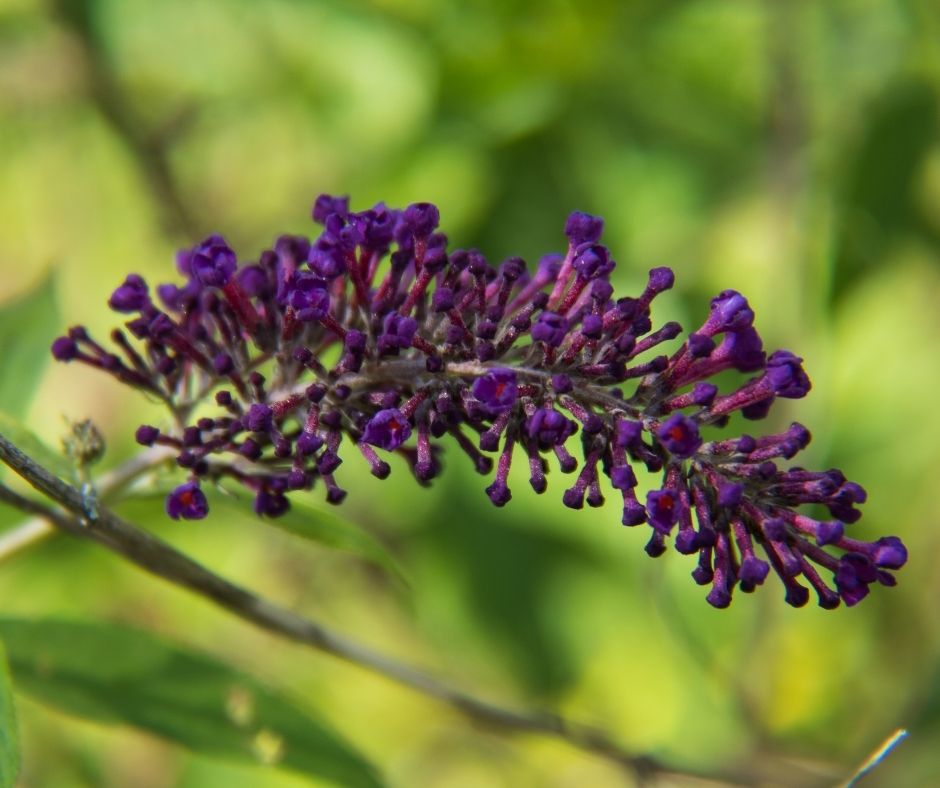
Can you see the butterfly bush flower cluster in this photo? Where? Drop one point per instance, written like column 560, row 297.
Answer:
column 374, row 339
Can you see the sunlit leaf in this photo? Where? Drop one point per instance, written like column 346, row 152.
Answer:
column 114, row 674
column 9, row 743
column 28, row 324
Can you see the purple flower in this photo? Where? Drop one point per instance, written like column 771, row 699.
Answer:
column 662, row 507
column 785, row 372
column 256, row 281
column 729, row 312
column 388, row 429
column 213, row 262
column 661, row 279
column 418, row 220
column 889, row 553
column 270, row 504
column 582, row 228
column 327, row 205
column 187, row 502
column 146, row 435
column 551, row 329
column 65, row 349
column 308, row 443
column 132, row 296
column 496, row 390
column 308, row 296
column 592, row 326
column 590, row 260
column 679, row 434
column 327, row 262
column 398, row 332
column 376, row 226
column 744, row 349
column 371, row 331
column 260, row 418
column 547, row 427
column 443, row 300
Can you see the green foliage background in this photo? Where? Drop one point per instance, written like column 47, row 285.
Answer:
column 786, row 148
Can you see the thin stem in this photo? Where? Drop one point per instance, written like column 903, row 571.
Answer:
column 160, row 559
column 877, row 757
column 408, row 370
column 38, row 528
column 24, row 535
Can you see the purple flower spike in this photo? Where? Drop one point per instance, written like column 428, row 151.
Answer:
column 187, row 502
column 372, row 329
column 679, row 434
column 388, row 429
column 496, row 390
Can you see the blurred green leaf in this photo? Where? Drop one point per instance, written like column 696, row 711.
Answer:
column 320, row 525
column 329, row 529
column 503, row 573
column 34, row 446
column 27, row 328
column 882, row 178
column 9, row 740
column 114, row 674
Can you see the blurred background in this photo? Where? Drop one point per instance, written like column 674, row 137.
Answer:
column 785, row 148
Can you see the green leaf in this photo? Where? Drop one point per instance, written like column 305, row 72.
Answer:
column 28, row 442
column 329, row 529
column 501, row 577
column 28, row 325
column 114, row 674
column 9, row 740
column 320, row 525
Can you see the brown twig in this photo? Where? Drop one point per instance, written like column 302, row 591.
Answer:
column 39, row 527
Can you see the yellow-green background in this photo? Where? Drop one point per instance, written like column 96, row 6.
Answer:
column 788, row 149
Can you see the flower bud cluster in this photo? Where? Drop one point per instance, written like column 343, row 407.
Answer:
column 373, row 334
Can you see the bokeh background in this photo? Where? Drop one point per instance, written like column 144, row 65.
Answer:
column 786, row 148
